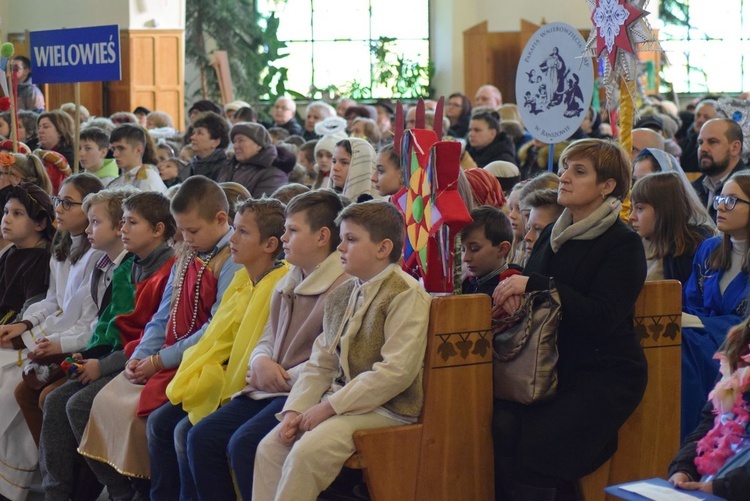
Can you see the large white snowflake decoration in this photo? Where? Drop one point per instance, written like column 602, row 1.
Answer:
column 620, row 31
column 609, row 17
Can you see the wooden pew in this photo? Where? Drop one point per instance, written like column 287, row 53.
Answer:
column 650, row 438
column 447, row 454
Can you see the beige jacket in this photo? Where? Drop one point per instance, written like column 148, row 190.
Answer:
column 296, row 317
column 370, row 355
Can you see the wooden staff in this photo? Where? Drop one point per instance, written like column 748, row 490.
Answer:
column 12, row 97
column 76, row 138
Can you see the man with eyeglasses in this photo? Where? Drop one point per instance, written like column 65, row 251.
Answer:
column 29, row 95
column 719, row 156
column 283, row 116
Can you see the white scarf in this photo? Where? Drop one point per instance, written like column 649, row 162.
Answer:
column 589, row 227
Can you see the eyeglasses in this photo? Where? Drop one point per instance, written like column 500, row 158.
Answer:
column 66, row 203
column 729, row 201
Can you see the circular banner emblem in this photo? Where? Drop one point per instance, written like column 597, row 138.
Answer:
column 554, row 83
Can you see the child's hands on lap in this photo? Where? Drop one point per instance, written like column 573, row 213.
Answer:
column 315, row 415
column 10, row 331
column 289, row 427
column 145, row 369
column 267, row 375
column 90, row 371
column 130, row 368
column 46, row 347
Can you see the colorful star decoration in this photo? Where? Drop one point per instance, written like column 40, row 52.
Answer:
column 620, row 31
column 433, row 210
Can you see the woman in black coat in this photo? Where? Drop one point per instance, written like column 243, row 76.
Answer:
column 597, row 264
column 487, row 143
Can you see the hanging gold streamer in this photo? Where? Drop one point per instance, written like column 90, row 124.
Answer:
column 627, row 114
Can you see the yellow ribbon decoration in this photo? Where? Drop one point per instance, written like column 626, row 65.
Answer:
column 627, row 114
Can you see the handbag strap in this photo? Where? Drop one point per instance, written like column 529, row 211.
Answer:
column 525, row 309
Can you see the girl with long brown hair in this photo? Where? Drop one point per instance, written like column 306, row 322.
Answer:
column 671, row 222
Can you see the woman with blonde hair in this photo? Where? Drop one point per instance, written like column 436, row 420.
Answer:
column 17, row 168
column 367, row 129
column 509, row 111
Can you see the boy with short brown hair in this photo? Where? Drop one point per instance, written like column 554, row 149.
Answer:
column 365, row 368
column 116, row 432
column 213, row 370
column 485, row 244
column 296, row 319
column 94, row 145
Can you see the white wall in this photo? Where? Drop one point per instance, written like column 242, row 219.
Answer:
column 161, row 14
column 4, row 20
column 450, row 18
column 22, row 15
column 35, row 15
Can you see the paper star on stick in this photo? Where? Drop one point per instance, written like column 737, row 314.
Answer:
column 611, row 20
column 620, row 31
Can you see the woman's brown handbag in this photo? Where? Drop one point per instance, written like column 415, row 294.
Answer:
column 524, row 349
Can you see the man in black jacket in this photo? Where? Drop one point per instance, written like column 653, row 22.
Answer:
column 704, row 111
column 719, row 156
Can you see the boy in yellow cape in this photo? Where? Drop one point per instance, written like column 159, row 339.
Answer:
column 203, row 382
column 225, row 442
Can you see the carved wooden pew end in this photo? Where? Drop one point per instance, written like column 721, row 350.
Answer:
column 650, row 438
column 447, row 454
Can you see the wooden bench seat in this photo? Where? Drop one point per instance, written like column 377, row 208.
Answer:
column 650, row 438
column 448, row 454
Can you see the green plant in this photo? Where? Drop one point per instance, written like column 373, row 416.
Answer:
column 393, row 75
column 676, row 13
column 356, row 90
column 398, row 75
column 251, row 43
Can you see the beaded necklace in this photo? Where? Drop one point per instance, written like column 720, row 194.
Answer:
column 196, row 300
